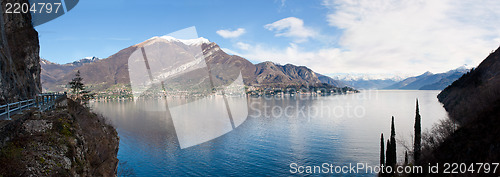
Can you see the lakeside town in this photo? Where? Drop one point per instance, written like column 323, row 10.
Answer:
column 124, row 92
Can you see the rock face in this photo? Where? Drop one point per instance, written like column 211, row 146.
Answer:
column 19, row 56
column 70, row 141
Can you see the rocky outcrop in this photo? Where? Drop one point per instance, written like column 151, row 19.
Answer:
column 70, row 141
column 19, row 56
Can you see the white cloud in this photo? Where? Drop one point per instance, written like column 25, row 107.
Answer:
column 231, row 34
column 392, row 36
column 291, row 27
column 242, row 45
column 319, row 60
column 409, row 35
column 283, row 3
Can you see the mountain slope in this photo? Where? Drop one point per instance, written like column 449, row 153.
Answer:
column 429, row 81
column 474, row 102
column 52, row 73
column 474, row 92
column 102, row 74
column 329, row 80
column 443, row 83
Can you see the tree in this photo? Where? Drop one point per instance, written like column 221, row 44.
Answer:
column 76, row 85
column 406, row 157
column 393, row 142
column 382, row 149
column 388, row 155
column 418, row 135
column 391, row 159
column 78, row 89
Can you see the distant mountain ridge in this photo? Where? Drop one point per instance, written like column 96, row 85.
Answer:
column 103, row 73
column 369, row 84
column 52, row 73
column 329, row 80
column 429, row 81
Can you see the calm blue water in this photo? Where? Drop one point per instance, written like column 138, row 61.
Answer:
column 337, row 130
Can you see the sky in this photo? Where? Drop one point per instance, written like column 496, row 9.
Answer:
column 332, row 37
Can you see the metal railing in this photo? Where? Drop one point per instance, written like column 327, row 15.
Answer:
column 43, row 102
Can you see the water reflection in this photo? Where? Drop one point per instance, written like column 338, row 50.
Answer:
column 273, row 136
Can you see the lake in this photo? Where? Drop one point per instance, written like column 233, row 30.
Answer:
column 279, row 131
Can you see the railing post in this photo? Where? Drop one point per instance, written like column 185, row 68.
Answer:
column 8, row 110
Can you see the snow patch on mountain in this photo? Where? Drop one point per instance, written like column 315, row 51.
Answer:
column 192, row 42
column 365, row 76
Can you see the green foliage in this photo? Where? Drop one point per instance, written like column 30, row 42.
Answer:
column 11, row 151
column 42, row 160
column 63, row 127
column 78, row 89
column 76, row 84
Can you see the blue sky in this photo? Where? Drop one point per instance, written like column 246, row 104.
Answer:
column 101, row 28
column 329, row 36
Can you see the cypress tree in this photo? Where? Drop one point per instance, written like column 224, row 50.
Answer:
column 393, row 144
column 382, row 149
column 418, row 135
column 406, row 157
column 388, row 155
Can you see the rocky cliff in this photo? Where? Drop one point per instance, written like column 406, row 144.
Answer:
column 19, row 56
column 69, row 141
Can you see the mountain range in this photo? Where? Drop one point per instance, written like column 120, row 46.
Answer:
column 104, row 73
column 430, row 81
column 425, row 81
column 101, row 74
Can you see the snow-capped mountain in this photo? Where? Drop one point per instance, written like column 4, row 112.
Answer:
column 368, row 81
column 190, row 42
column 115, row 69
column 425, row 81
column 430, row 81
column 83, row 61
column 363, row 76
